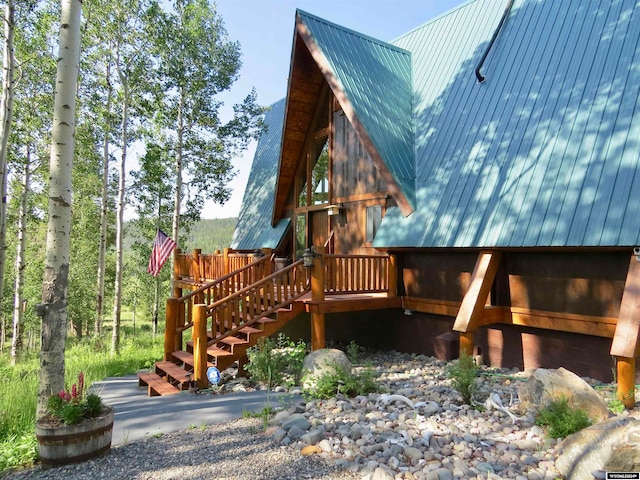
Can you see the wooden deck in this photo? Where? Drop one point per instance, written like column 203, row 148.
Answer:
column 349, row 302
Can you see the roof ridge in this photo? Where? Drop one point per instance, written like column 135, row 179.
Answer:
column 361, row 35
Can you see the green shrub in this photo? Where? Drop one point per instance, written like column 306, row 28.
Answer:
column 339, row 380
column 276, row 362
column 560, row 420
column 463, row 373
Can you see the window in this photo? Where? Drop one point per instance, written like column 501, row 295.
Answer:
column 374, row 217
column 301, row 234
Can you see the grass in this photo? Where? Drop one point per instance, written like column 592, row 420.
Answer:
column 19, row 385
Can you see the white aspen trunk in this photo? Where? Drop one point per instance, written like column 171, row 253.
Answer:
column 16, row 341
column 53, row 309
column 102, row 247
column 6, row 114
column 178, row 196
column 122, row 171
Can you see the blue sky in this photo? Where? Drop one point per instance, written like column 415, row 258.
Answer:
column 264, row 29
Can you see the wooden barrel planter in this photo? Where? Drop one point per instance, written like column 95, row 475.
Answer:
column 75, row 443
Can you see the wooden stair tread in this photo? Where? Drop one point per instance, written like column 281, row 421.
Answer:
column 218, row 352
column 179, row 374
column 186, row 358
column 233, row 341
column 249, row 330
column 156, row 385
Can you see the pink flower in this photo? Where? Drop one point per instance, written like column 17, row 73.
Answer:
column 62, row 394
column 74, row 391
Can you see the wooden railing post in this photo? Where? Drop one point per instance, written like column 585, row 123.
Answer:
column 200, row 345
column 197, row 273
column 170, row 327
column 177, row 291
column 466, row 343
column 225, row 261
column 392, row 281
column 318, row 339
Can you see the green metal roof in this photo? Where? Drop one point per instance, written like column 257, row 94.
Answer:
column 254, row 229
column 376, row 78
column 545, row 152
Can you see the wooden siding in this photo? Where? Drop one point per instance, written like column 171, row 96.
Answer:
column 353, row 170
column 570, row 282
column 441, row 276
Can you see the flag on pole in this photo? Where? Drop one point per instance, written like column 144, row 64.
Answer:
column 163, row 245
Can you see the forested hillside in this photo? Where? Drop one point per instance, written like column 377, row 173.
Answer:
column 210, row 234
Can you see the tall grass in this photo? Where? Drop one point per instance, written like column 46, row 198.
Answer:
column 19, row 386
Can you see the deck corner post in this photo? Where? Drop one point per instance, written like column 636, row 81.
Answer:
column 626, row 373
column 170, row 327
column 200, row 345
column 318, row 340
column 392, row 281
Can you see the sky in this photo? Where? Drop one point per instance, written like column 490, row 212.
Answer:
column 264, row 29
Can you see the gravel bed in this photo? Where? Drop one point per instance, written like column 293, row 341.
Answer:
column 431, row 437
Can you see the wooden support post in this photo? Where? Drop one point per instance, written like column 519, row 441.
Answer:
column 466, row 343
column 626, row 339
column 393, row 276
column 170, row 327
column 472, row 306
column 626, row 373
column 318, row 339
column 200, row 345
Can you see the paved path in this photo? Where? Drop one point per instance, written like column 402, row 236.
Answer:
column 138, row 416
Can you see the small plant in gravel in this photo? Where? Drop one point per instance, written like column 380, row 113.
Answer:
column 265, row 414
column 560, row 420
column 338, row 380
column 616, row 406
column 353, row 351
column 276, row 362
column 463, row 373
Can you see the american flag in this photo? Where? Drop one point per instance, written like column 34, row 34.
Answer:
column 162, row 248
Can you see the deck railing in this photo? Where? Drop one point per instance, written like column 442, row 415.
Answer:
column 208, row 267
column 356, row 273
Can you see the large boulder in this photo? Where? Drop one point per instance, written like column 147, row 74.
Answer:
column 547, row 385
column 611, row 445
column 322, row 361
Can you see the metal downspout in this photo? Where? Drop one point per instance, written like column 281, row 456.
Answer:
column 505, row 14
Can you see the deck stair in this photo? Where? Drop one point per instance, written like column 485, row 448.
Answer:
column 236, row 323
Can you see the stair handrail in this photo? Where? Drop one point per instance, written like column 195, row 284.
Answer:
column 257, row 285
column 179, row 317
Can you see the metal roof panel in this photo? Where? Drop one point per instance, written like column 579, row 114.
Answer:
column 254, row 229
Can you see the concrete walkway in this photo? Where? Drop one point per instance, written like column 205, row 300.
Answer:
column 138, row 416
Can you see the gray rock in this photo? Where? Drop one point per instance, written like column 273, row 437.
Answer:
column 546, row 385
column 313, row 436
column 279, row 435
column 321, row 361
column 412, row 453
column 296, row 420
column 591, row 449
column 295, row 433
